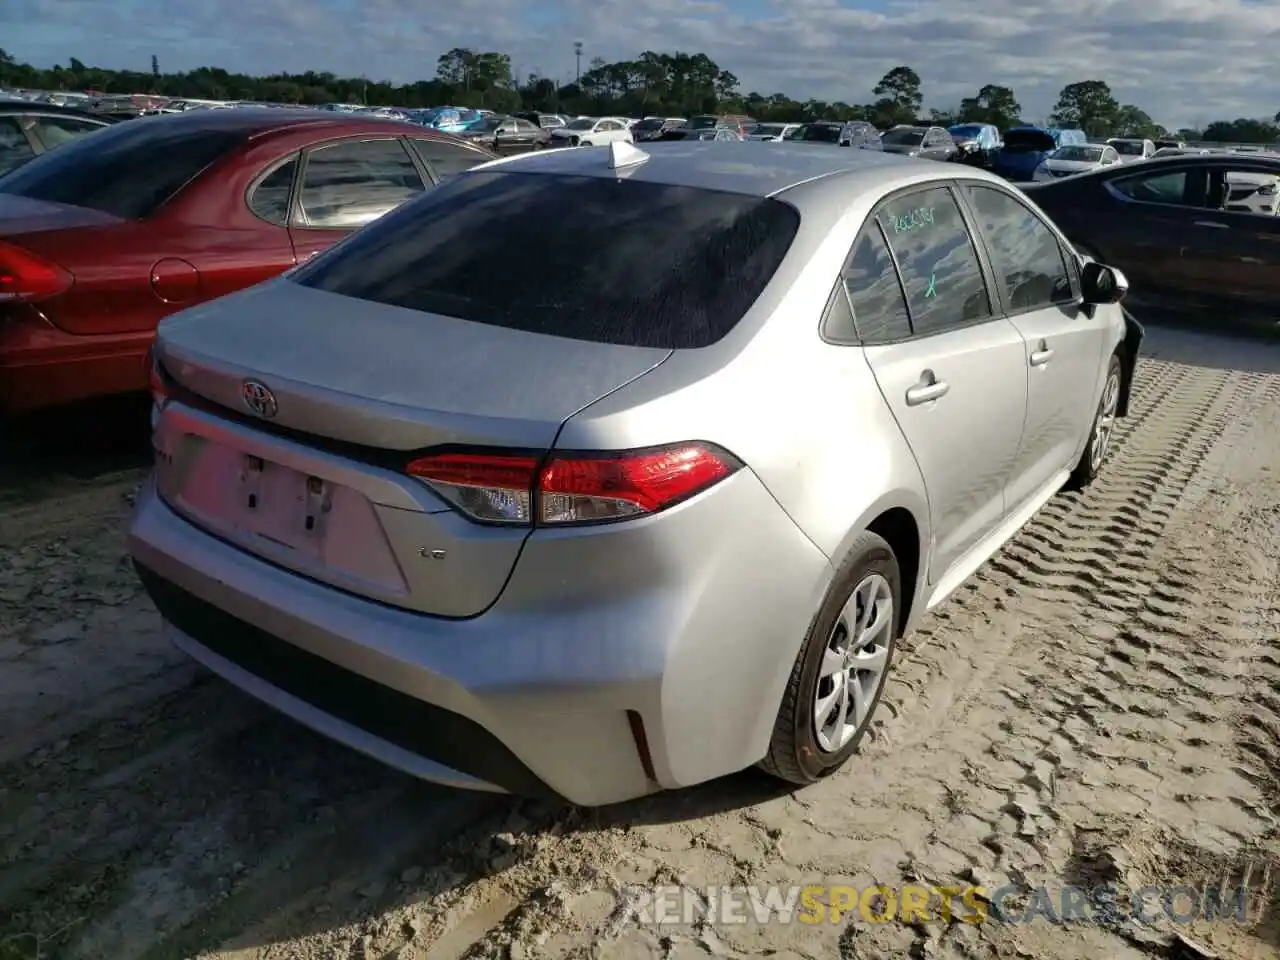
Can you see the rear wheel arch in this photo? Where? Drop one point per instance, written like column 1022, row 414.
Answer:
column 897, row 527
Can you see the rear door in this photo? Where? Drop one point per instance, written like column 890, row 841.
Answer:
column 1037, row 289
column 1231, row 244
column 1152, row 213
column 521, row 136
column 346, row 184
column 951, row 368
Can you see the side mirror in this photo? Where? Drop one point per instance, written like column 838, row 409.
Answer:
column 1102, row 284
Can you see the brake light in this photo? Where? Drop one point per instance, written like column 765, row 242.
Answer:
column 26, row 277
column 572, row 488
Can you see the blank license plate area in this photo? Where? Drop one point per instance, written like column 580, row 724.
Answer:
column 305, row 521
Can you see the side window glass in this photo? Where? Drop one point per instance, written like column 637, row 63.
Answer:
column 348, row 185
column 1155, row 188
column 1244, row 191
column 55, row 131
column 270, row 198
column 447, row 160
column 939, row 265
column 1025, row 253
column 879, row 309
column 15, row 149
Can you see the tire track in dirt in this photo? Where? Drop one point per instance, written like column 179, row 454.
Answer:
column 1028, row 725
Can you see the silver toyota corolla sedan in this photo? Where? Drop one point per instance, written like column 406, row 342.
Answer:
column 591, row 510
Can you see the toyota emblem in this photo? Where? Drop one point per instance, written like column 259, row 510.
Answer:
column 259, row 399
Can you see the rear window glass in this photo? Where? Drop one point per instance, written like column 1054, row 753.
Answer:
column 127, row 170
column 638, row 264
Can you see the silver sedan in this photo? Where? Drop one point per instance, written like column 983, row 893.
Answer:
column 588, row 510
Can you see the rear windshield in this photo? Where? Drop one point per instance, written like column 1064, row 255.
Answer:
column 637, row 264
column 127, row 170
column 1130, row 148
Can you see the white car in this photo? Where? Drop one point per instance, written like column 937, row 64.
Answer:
column 1132, row 150
column 592, row 132
column 1075, row 158
column 1180, row 151
column 1252, row 193
column 772, row 132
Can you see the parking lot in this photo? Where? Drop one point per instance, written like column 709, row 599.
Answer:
column 1099, row 704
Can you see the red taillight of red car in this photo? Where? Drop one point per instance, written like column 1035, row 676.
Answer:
column 156, row 377
column 572, row 488
column 27, row 277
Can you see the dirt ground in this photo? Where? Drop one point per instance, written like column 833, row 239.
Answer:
column 1101, row 703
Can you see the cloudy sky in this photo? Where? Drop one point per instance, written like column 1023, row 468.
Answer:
column 1184, row 61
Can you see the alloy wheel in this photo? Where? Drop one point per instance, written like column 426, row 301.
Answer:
column 1105, row 424
column 853, row 664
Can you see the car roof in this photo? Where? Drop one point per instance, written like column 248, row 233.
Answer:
column 256, row 121
column 712, row 165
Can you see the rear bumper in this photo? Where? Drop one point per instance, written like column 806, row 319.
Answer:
column 42, row 366
column 538, row 695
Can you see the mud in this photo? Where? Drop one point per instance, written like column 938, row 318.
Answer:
column 1101, row 704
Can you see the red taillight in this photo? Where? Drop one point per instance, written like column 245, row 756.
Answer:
column 156, row 377
column 573, row 488
column 24, row 276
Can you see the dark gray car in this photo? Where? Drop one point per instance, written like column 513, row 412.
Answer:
column 930, row 143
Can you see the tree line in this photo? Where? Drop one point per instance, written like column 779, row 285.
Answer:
column 664, row 84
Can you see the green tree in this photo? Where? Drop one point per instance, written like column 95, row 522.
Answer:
column 899, row 90
column 993, row 104
column 1087, row 105
column 1132, row 121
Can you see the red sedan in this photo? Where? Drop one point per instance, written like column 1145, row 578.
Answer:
column 102, row 238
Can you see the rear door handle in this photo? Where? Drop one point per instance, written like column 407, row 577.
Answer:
column 1211, row 223
column 926, row 392
column 1042, row 356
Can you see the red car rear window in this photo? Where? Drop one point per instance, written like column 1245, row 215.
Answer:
column 128, row 170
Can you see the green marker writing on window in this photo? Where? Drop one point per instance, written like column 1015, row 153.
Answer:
column 913, row 220
column 931, row 292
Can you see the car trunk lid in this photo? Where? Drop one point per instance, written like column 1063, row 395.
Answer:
column 303, row 407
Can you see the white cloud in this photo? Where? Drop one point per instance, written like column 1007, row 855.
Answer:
column 1184, row 61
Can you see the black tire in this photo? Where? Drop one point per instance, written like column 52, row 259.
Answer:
column 794, row 752
column 573, row 141
column 1090, row 466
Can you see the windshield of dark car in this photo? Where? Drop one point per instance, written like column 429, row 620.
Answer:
column 586, row 124
column 1088, row 154
column 905, row 137
column 488, row 125
column 654, row 124
column 703, row 123
column 643, row 263
column 128, row 170
column 1017, row 141
column 768, row 129
column 1131, row 148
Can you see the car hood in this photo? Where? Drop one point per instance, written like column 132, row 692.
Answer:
column 1070, row 166
column 901, row 147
